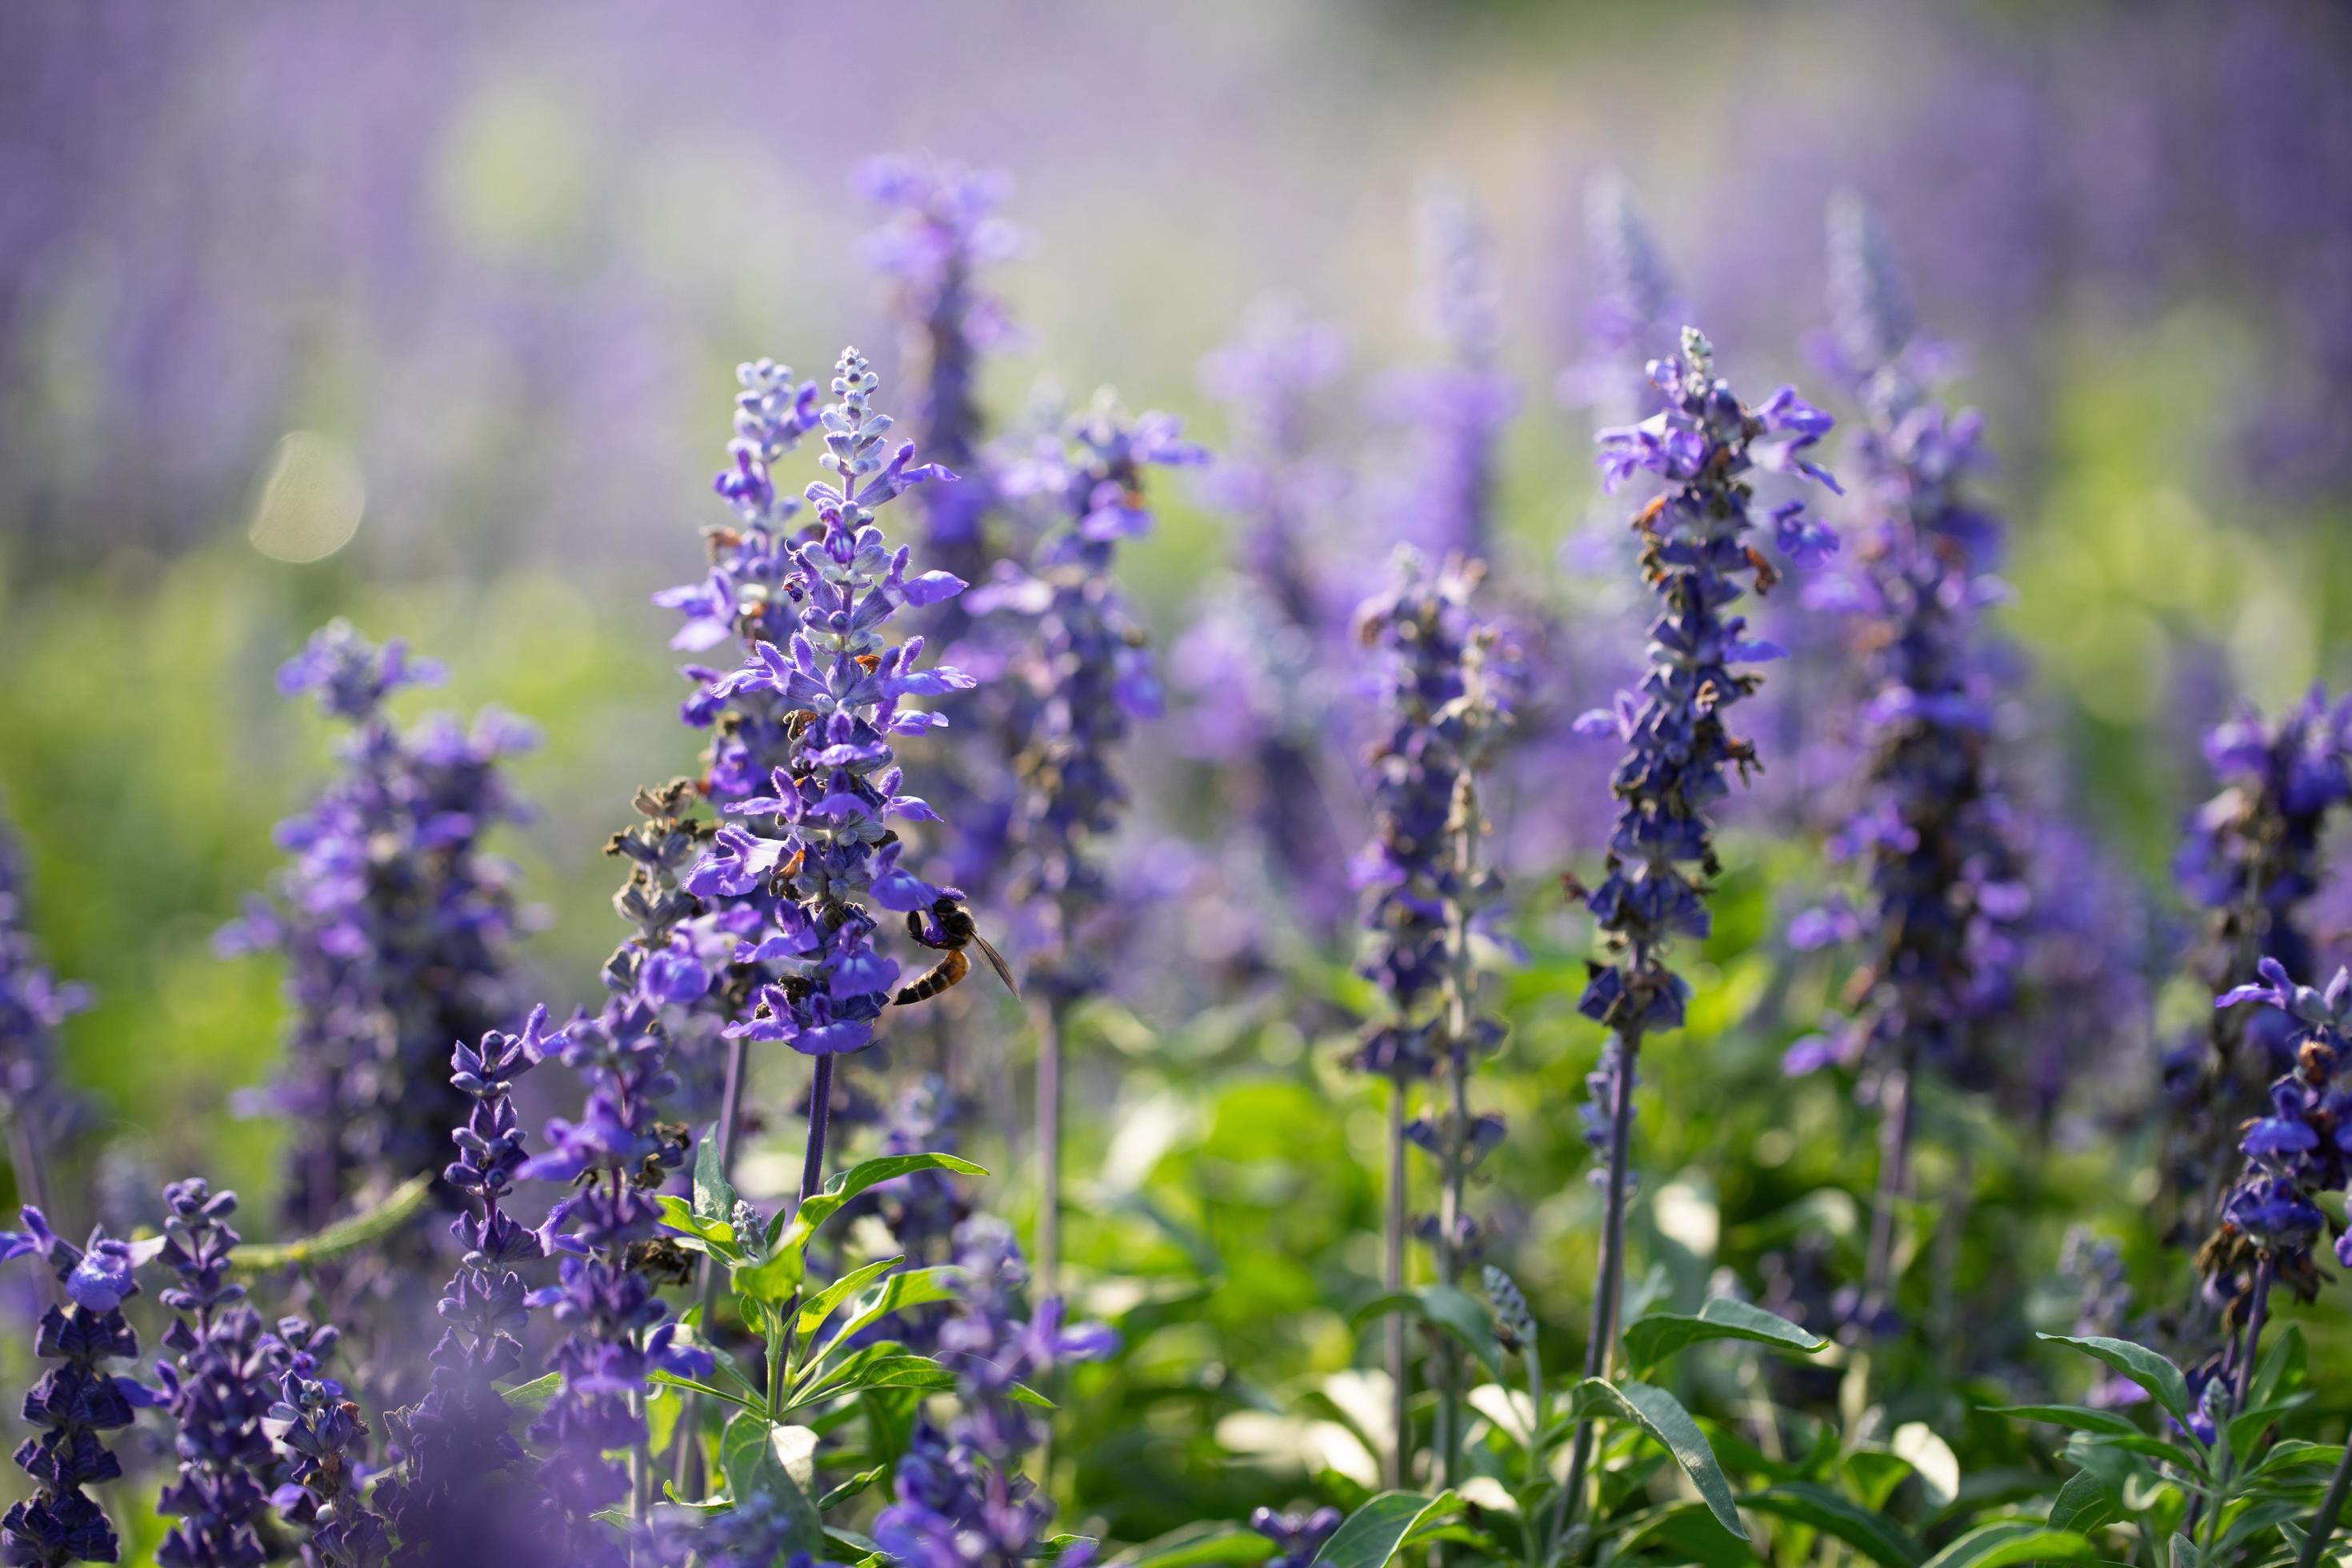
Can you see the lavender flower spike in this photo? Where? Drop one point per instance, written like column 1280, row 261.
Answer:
column 1423, row 896
column 615, row 1152
column 1948, row 892
column 394, row 923
column 834, row 795
column 1632, row 314
column 219, row 1392
column 1705, row 444
column 963, row 1500
column 1455, row 410
column 76, row 1402
column 1088, row 672
column 2252, row 857
column 943, row 229
column 1265, row 655
column 325, row 1441
column 2271, row 1218
column 465, row 1487
column 1089, row 677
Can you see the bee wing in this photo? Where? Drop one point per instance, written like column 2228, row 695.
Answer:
column 996, row 962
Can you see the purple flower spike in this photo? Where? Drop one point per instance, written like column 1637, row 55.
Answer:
column 962, row 1498
column 1085, row 674
column 1703, row 444
column 2295, row 1154
column 836, row 782
column 78, row 1401
column 2252, row 856
column 395, row 923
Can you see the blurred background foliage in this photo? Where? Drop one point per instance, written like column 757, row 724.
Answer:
column 424, row 315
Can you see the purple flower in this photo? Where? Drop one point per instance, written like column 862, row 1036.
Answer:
column 1267, row 655
column 78, row 1401
column 395, row 925
column 1296, row 1537
column 1440, row 722
column 2252, row 856
column 1454, row 412
column 830, row 799
column 465, row 1484
column 324, row 1439
column 218, row 1392
column 1087, row 674
column 1703, row 444
column 961, row 1499
column 1948, row 900
column 2295, row 1153
column 942, row 231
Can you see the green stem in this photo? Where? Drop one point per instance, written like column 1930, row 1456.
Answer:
column 1049, row 1150
column 688, row 1474
column 1893, row 1185
column 1600, row 1347
column 1393, row 1280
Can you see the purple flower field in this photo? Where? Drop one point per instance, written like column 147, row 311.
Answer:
column 1310, row 784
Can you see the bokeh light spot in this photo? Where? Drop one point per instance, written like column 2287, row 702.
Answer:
column 310, row 500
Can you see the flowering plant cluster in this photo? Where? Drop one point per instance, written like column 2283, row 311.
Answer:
column 699, row 1300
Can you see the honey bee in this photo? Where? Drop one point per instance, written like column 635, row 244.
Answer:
column 661, row 1260
column 947, row 926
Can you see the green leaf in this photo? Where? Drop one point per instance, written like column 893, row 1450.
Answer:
column 851, row 1547
column 2282, row 1366
column 1467, row 1322
column 908, row 1288
column 1874, row 1474
column 754, row 1464
column 360, row 1230
column 713, row 1238
column 774, row 1280
column 1680, row 1532
column 534, row 1394
column 793, row 1230
column 2079, row 1418
column 2085, row 1502
column 1369, row 1537
column 672, row 1380
column 894, row 1368
column 2012, row 1540
column 2184, row 1554
column 821, row 1306
column 1196, row 1543
column 1660, row 1416
column 1651, row 1340
column 1380, row 1305
column 1452, row 1310
column 2111, row 1428
column 714, row 1195
column 2289, row 1452
column 851, row 1487
column 2141, row 1364
column 1865, row 1530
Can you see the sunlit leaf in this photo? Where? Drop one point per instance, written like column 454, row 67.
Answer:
column 1662, row 1416
column 2142, row 1365
column 1371, row 1537
column 1651, row 1340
